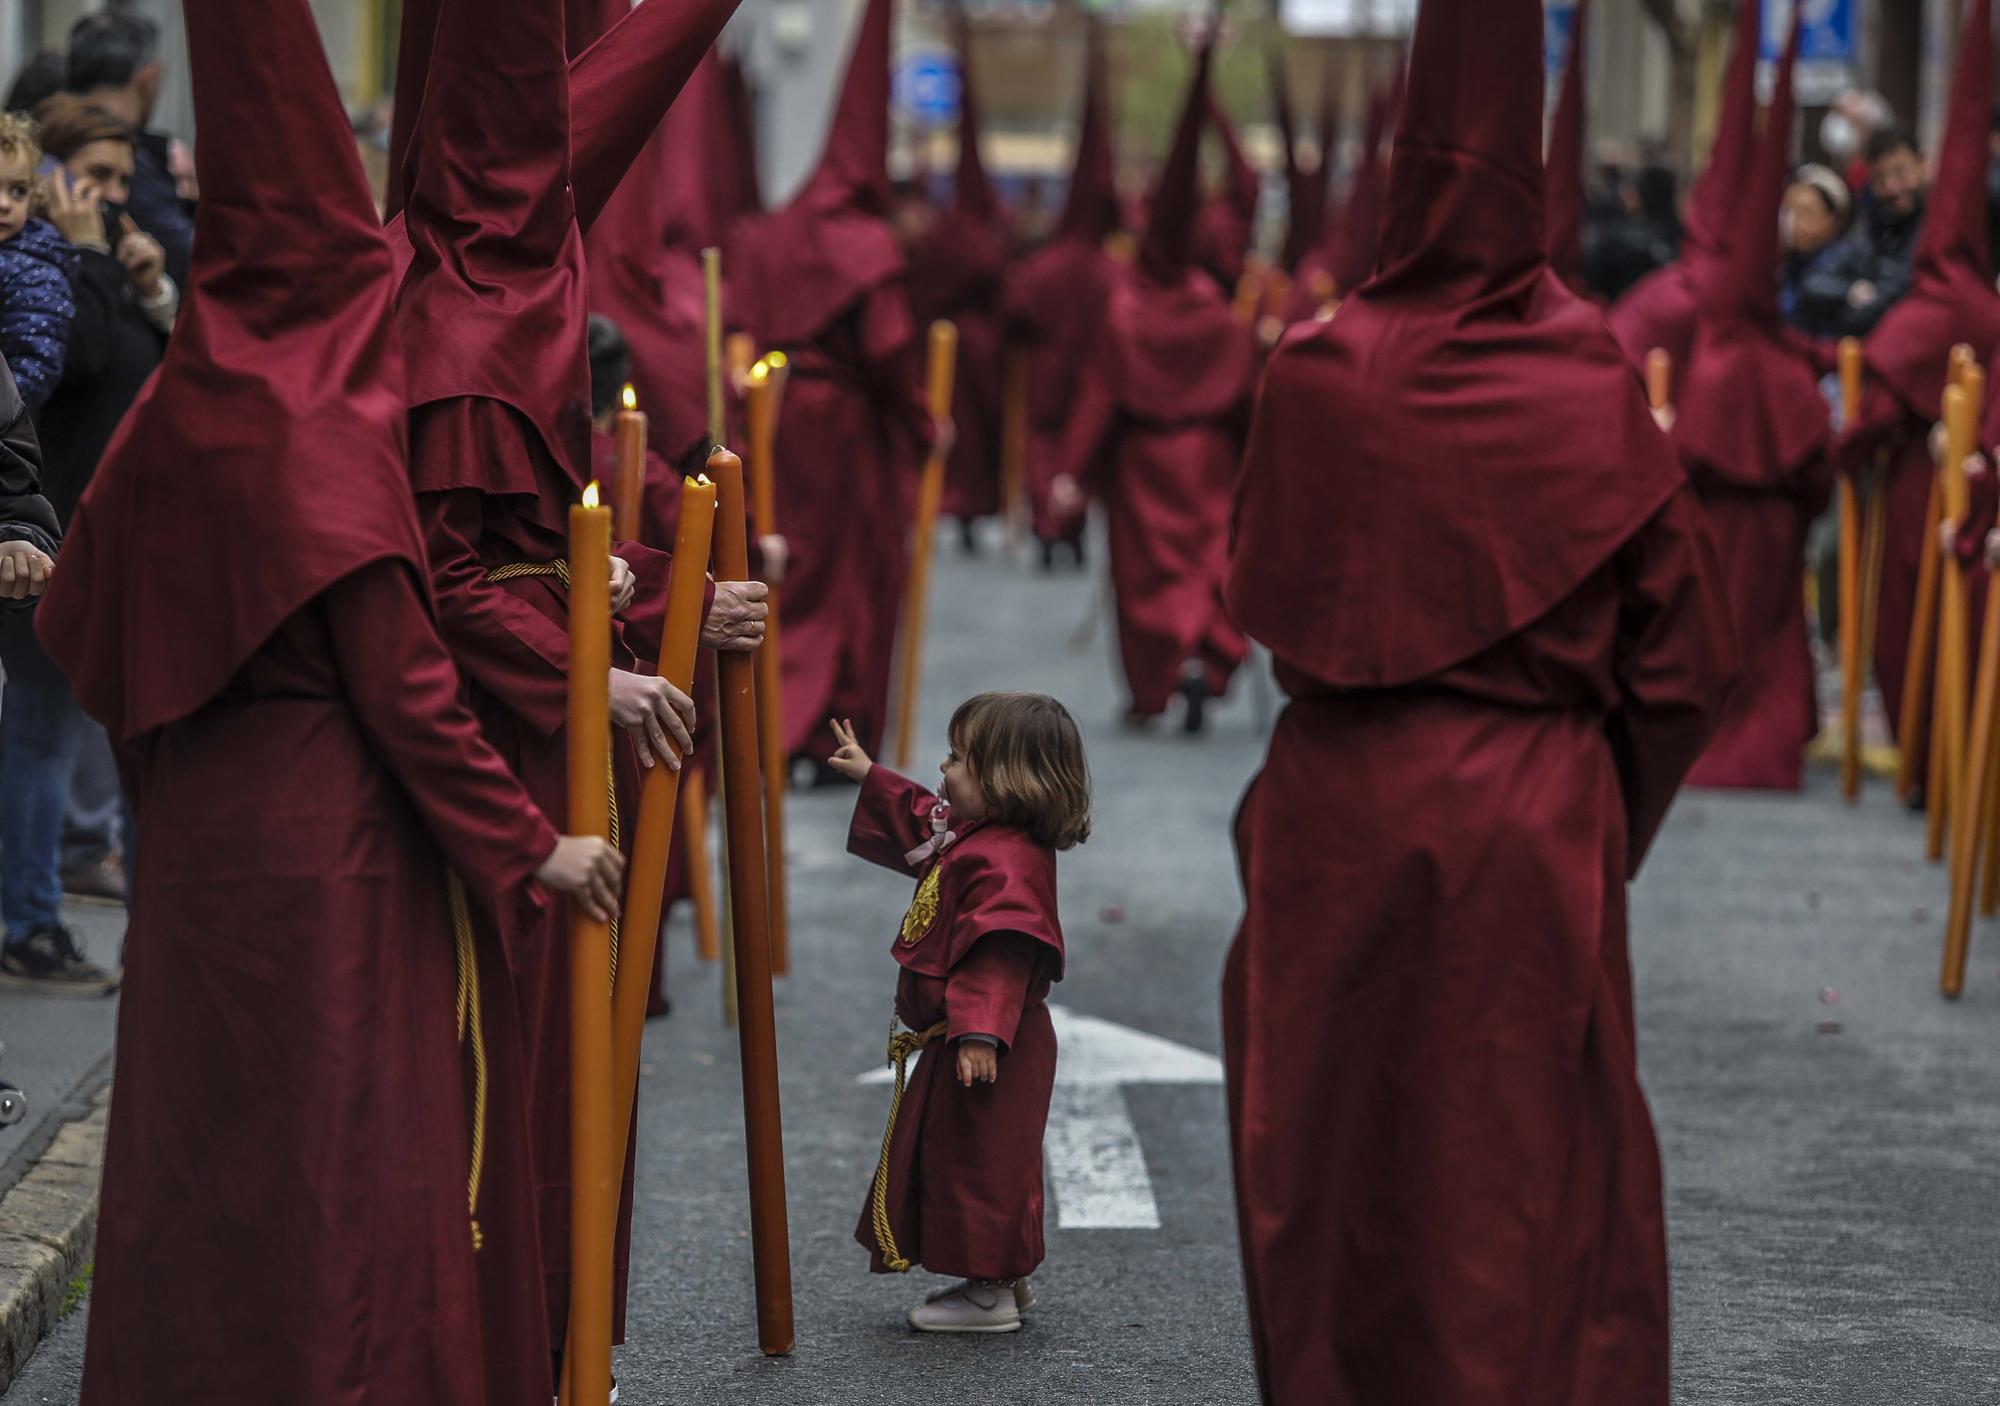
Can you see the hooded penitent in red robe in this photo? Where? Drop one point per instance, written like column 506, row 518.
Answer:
column 979, row 950
column 956, row 272
column 492, row 313
column 1908, row 354
column 1564, row 202
column 1660, row 310
column 286, row 1212
column 1486, row 586
column 823, row 281
column 1055, row 297
column 1754, row 431
column 1156, row 432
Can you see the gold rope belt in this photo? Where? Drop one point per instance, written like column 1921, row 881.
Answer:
column 902, row 1044
column 471, row 1028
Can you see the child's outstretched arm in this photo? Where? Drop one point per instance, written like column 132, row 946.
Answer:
column 892, row 815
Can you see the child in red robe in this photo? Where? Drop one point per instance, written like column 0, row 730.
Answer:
column 959, row 1187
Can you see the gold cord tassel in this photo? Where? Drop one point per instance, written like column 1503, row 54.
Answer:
column 472, row 1029
column 902, row 1044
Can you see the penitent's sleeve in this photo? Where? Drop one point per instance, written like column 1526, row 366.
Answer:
column 1677, row 663
column 987, row 991
column 405, row 691
column 892, row 816
column 512, row 650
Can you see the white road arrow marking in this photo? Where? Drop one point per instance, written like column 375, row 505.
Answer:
column 1097, row 1169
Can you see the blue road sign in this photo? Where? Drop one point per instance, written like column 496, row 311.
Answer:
column 1828, row 36
column 1558, row 26
column 927, row 87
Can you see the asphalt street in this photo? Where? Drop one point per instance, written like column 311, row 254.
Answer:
column 1831, row 1126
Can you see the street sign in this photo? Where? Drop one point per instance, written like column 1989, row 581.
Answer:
column 1828, row 45
column 1097, row 1169
column 927, row 87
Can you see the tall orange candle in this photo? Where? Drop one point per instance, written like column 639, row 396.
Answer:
column 1659, row 378
column 1014, row 442
column 1953, row 682
column 631, row 434
column 760, row 410
column 594, row 1183
column 659, row 799
column 757, row 1025
column 1851, row 663
column 916, row 605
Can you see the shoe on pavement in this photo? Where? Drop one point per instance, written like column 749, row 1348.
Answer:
column 969, row 1308
column 102, row 882
column 1024, row 1293
column 47, row 961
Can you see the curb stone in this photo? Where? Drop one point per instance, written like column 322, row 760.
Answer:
column 48, row 1222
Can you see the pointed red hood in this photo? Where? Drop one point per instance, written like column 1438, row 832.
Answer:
column 1174, row 204
column 417, row 36
column 1463, row 445
column 972, row 190
column 274, row 427
column 1306, row 187
column 494, row 304
column 622, row 86
column 1090, row 209
column 801, row 268
column 1711, row 204
column 1227, row 225
column 1953, row 298
column 1564, row 205
column 1750, row 408
column 1356, row 236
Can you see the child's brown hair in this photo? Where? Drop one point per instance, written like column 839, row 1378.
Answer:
column 1026, row 752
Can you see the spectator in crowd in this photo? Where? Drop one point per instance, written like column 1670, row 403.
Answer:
column 1816, row 212
column 114, row 64
column 1869, row 269
column 1643, row 234
column 1851, row 123
column 125, row 307
column 40, row 79
column 1993, row 193
column 35, row 260
column 28, row 533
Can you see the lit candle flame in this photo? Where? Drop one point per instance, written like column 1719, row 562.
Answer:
column 779, row 361
column 590, row 495
column 631, row 397
column 761, row 371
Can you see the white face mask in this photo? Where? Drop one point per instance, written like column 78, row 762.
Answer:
column 1838, row 134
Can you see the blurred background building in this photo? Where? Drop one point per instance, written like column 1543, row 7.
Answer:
column 1655, row 64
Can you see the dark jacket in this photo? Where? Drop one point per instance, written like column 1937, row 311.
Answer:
column 112, row 350
column 1877, row 250
column 155, row 204
column 25, row 515
column 36, row 308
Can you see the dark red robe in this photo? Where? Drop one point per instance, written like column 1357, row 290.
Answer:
column 1053, row 308
column 965, row 1168
column 511, row 641
column 285, row 1212
column 1487, row 589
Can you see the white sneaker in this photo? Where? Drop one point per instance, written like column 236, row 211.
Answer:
column 1024, row 1293
column 557, row 1400
column 969, row 1308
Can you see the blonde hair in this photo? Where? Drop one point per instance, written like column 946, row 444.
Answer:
column 17, row 139
column 1026, row 752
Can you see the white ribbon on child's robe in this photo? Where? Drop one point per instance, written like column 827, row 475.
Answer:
column 943, row 837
